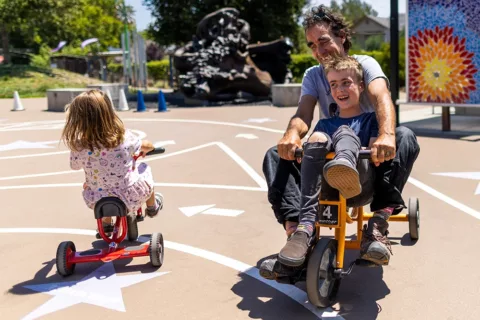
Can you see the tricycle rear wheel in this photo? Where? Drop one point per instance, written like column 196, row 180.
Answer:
column 414, row 218
column 322, row 284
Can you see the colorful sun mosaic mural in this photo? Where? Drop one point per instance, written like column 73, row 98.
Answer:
column 443, row 53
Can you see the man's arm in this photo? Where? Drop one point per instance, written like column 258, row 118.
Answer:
column 384, row 147
column 297, row 128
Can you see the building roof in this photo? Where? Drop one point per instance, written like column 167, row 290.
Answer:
column 382, row 21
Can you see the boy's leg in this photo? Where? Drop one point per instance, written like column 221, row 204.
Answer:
column 294, row 252
column 341, row 172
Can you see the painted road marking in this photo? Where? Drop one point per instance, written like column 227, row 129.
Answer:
column 260, row 120
column 210, row 210
column 291, row 291
column 248, row 136
column 21, row 144
column 244, row 165
column 463, row 175
column 102, row 288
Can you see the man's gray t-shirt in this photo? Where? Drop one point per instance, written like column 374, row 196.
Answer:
column 315, row 83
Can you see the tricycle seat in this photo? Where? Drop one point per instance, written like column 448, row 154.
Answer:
column 110, row 207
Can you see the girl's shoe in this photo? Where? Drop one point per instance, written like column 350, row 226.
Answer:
column 152, row 212
column 107, row 228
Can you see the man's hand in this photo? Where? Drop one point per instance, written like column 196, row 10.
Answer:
column 288, row 144
column 383, row 149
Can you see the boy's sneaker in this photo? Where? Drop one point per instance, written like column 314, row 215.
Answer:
column 375, row 246
column 293, row 254
column 153, row 212
column 343, row 176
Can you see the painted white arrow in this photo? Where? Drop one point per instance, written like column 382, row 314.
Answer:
column 260, row 120
column 210, row 210
column 246, row 136
column 163, row 143
column 463, row 175
column 20, row 144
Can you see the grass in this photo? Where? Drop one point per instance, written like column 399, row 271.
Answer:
column 31, row 82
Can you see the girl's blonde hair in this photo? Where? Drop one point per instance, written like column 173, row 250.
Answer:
column 92, row 123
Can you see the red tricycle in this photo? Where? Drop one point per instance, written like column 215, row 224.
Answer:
column 125, row 226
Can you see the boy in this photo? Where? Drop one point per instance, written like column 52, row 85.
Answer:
column 346, row 133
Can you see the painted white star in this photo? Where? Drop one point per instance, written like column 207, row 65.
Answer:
column 102, row 288
column 463, row 175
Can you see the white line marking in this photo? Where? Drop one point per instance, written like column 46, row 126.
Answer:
column 46, row 174
column 248, row 136
column 223, row 212
column 444, row 198
column 245, row 166
column 231, row 124
column 35, row 155
column 158, row 184
column 289, row 290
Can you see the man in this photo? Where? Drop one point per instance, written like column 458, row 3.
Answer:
column 393, row 152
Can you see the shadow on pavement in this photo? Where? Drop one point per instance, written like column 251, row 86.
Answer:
column 357, row 298
column 81, row 270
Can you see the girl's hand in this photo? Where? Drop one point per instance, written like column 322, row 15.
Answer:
column 146, row 147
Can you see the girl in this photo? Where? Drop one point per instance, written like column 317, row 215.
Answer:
column 104, row 149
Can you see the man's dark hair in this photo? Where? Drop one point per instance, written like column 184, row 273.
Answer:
column 337, row 23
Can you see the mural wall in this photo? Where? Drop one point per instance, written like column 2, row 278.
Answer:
column 443, row 51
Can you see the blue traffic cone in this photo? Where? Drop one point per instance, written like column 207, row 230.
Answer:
column 162, row 104
column 140, row 102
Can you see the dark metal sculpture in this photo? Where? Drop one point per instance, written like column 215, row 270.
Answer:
column 219, row 62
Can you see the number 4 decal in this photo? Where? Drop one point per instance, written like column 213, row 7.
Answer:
column 327, row 213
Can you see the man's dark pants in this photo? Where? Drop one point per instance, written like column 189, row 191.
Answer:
column 284, row 185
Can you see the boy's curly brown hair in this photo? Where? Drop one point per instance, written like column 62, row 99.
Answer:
column 337, row 23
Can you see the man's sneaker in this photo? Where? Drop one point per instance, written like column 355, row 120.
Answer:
column 343, row 176
column 294, row 252
column 272, row 269
column 375, row 246
column 152, row 212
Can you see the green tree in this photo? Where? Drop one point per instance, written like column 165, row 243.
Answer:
column 36, row 23
column 176, row 20
column 353, row 10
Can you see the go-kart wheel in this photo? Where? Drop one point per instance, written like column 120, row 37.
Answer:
column 64, row 250
column 322, row 285
column 132, row 227
column 414, row 218
column 156, row 249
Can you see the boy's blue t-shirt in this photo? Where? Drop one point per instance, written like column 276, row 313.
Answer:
column 365, row 126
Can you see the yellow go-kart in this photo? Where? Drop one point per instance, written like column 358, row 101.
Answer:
column 325, row 261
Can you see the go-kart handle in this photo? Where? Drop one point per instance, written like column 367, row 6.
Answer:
column 363, row 154
column 157, row 150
